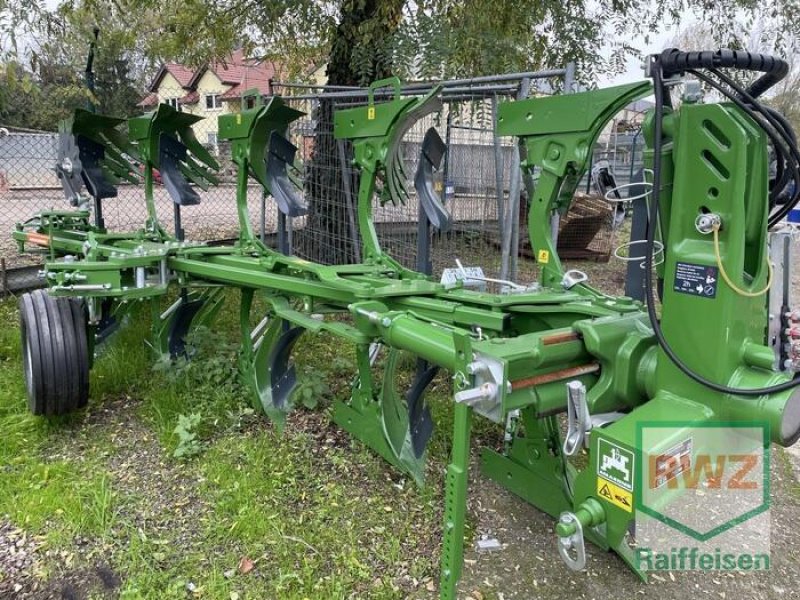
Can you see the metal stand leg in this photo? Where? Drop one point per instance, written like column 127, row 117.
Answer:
column 455, row 503
column 178, row 223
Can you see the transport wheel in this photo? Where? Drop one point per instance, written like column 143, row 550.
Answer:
column 55, row 353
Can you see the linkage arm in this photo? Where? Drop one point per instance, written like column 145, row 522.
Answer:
column 559, row 133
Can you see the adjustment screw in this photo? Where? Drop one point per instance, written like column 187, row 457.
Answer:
column 707, row 222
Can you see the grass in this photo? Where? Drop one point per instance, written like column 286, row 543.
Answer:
column 40, row 490
column 316, row 514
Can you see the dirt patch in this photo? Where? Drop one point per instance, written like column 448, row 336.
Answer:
column 21, row 560
column 153, row 494
column 17, row 559
column 98, row 582
column 528, row 564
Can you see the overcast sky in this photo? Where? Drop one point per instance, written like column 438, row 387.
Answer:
column 634, row 72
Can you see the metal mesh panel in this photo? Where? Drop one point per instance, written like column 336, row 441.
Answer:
column 327, row 234
column 474, row 181
column 471, row 169
column 477, row 171
column 27, row 184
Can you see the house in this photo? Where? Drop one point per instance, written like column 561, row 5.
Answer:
column 215, row 88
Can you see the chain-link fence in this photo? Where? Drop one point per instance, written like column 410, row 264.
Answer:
column 28, row 184
column 477, row 180
column 473, row 182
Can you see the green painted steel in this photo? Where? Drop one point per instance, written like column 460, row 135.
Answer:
column 510, row 356
column 376, row 131
column 104, row 131
column 249, row 132
column 559, row 133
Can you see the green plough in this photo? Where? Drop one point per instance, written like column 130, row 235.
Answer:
column 521, row 359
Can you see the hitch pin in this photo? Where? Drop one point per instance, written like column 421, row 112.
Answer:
column 573, row 541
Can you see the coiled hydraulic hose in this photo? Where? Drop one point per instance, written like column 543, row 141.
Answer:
column 677, row 62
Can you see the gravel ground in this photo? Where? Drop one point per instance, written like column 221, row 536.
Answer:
column 528, row 564
column 17, row 558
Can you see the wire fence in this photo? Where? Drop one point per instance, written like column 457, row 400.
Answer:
column 475, row 181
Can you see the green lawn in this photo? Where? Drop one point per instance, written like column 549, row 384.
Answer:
column 247, row 513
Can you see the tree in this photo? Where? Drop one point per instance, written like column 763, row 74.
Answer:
column 38, row 100
column 360, row 53
column 365, row 39
column 360, row 40
column 756, row 37
column 49, row 58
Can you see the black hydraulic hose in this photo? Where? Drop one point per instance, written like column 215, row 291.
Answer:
column 674, row 61
column 751, row 110
column 781, row 183
column 784, row 130
column 658, row 86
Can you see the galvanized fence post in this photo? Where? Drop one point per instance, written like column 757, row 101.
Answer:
column 569, row 85
column 511, row 242
column 348, row 193
column 498, row 170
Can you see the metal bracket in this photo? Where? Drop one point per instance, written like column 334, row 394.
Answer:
column 572, row 542
column 486, row 398
column 578, row 422
column 572, row 278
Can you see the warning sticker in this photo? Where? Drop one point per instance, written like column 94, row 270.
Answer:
column 696, row 280
column 615, row 494
column 543, row 257
column 615, row 464
column 371, row 113
column 670, row 464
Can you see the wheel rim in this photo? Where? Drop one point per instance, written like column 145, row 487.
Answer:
column 27, row 361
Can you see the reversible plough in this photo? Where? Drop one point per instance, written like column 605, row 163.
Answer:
column 521, row 358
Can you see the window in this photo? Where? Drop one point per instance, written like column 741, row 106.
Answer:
column 212, row 139
column 174, row 103
column 213, row 102
column 250, row 102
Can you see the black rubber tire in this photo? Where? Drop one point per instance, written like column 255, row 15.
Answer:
column 79, row 319
column 71, row 384
column 34, row 381
column 55, row 353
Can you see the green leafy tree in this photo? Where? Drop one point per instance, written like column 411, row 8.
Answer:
column 44, row 68
column 363, row 40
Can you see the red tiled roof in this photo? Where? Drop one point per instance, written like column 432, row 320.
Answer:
column 237, row 71
column 255, row 75
column 190, row 98
column 181, row 73
column 148, row 101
